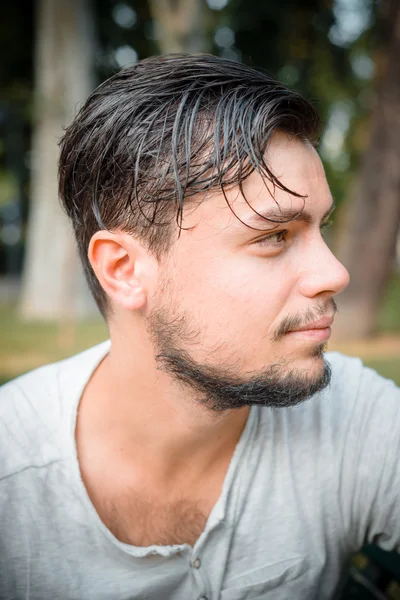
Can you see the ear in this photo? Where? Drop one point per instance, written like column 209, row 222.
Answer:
column 124, row 268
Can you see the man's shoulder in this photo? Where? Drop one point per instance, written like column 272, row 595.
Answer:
column 347, row 371
column 356, row 392
column 359, row 409
column 36, row 410
column 351, row 377
column 338, row 360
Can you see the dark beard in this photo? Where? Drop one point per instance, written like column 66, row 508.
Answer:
column 219, row 388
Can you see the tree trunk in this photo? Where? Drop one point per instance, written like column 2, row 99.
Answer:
column 53, row 284
column 368, row 245
column 180, row 25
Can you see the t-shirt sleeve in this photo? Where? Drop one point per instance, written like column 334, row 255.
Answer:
column 369, row 469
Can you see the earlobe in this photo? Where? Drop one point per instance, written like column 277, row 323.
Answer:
column 115, row 259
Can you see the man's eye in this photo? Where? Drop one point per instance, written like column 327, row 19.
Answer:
column 275, row 238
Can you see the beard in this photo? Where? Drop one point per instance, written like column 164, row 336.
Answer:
column 220, row 387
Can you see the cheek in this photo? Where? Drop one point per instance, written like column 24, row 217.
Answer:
column 242, row 296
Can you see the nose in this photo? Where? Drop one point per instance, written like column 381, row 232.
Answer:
column 322, row 272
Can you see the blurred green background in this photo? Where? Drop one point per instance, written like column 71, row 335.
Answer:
column 342, row 54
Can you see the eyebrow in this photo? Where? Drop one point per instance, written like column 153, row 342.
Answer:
column 284, row 215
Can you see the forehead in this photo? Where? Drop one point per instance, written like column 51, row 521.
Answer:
column 297, row 166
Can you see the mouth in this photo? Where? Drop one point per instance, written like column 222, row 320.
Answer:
column 318, row 331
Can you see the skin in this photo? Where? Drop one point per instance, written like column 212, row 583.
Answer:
column 235, row 293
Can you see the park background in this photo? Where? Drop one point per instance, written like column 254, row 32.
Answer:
column 343, row 55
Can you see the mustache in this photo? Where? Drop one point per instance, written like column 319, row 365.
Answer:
column 301, row 320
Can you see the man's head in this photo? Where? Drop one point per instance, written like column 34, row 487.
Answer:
column 197, row 198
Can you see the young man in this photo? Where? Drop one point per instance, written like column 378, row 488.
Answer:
column 178, row 460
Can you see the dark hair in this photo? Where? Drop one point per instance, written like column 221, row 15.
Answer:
column 162, row 131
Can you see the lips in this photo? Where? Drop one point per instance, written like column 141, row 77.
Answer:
column 317, row 331
column 323, row 323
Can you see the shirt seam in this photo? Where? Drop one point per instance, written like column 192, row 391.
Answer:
column 28, row 467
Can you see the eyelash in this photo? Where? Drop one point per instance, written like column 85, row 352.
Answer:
column 264, row 241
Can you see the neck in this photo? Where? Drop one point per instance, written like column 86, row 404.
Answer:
column 146, row 417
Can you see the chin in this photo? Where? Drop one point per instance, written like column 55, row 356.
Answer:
column 311, row 359
column 313, row 365
column 311, row 352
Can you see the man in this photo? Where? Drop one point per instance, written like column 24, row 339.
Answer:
column 178, row 460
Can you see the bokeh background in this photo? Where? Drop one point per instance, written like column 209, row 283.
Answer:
column 343, row 55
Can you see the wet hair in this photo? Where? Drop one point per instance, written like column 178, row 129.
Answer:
column 163, row 131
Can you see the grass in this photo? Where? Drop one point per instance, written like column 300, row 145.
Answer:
column 26, row 345
column 48, row 338
column 388, row 367
column 389, row 318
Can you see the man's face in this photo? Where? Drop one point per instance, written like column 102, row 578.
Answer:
column 230, row 296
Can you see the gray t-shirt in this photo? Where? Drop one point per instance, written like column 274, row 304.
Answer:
column 306, row 487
